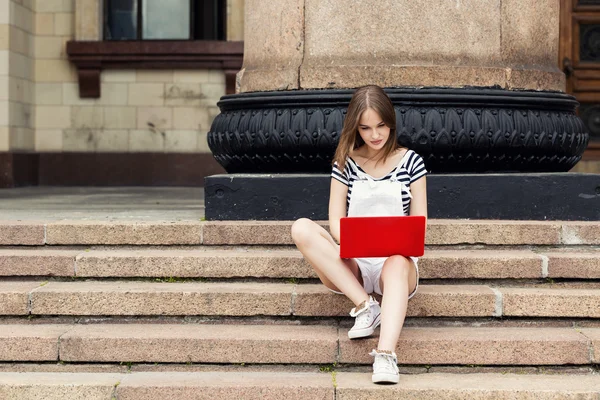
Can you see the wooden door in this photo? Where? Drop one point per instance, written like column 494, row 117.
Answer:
column 579, row 57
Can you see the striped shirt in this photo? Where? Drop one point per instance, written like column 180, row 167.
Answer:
column 411, row 169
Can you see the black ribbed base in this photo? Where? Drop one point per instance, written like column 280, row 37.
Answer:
column 454, row 130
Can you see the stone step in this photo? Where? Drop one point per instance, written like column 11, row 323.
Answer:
column 294, row 344
column 136, row 298
column 274, row 262
column 440, row 232
column 271, row 385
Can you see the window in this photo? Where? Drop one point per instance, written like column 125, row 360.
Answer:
column 164, row 20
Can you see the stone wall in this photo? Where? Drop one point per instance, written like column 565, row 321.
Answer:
column 139, row 110
column 16, row 75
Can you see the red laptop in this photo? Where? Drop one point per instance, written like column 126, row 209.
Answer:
column 363, row 237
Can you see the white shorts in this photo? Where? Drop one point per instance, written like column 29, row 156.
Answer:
column 370, row 269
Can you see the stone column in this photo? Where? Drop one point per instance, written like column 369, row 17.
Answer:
column 475, row 84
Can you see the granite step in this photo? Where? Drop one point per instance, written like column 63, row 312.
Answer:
column 440, row 232
column 294, row 344
column 136, row 298
column 271, row 385
column 274, row 262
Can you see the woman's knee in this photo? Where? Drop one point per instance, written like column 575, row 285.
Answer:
column 397, row 266
column 303, row 230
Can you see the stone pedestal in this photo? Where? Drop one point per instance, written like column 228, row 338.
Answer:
column 474, row 82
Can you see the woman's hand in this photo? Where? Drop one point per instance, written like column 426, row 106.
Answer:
column 337, row 207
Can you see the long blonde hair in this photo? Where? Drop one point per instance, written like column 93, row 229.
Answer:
column 370, row 96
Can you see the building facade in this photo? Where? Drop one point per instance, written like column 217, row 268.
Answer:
column 106, row 92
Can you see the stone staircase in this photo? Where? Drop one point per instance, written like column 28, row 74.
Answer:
column 205, row 310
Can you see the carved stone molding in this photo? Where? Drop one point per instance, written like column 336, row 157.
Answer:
column 455, row 130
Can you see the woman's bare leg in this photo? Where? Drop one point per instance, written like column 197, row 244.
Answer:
column 398, row 280
column 320, row 250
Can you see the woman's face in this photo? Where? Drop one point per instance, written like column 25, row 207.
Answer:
column 373, row 130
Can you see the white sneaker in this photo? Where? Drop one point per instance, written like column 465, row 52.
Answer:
column 385, row 367
column 367, row 319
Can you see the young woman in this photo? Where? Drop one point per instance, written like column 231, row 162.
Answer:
column 368, row 155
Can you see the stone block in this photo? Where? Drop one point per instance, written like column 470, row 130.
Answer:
column 251, row 232
column 4, row 138
column 44, row 24
column 120, row 117
column 152, row 298
column 88, row 20
column 114, row 94
column 49, row 94
column 430, row 300
column 550, row 302
column 193, row 263
column 19, row 41
column 191, row 76
column 146, row 94
column 52, row 117
column 4, row 37
column 593, row 334
column 156, row 118
column 119, row 76
column 530, row 32
column 190, row 118
column 444, row 232
column 481, row 346
column 181, row 141
column 64, row 24
column 200, row 343
column 114, row 140
column 58, row 386
column 22, row 233
column 217, row 385
column 14, row 297
column 17, row 262
column 202, row 142
column 48, row 140
column 87, row 117
column 274, row 36
column 25, row 342
column 55, row 71
column 580, row 265
column 184, row 94
column 147, row 140
column 581, row 232
column 50, row 47
column 22, row 139
column 121, row 233
column 154, row 76
column 480, row 264
column 358, row 386
column 80, row 140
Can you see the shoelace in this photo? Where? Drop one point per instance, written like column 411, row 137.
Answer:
column 363, row 317
column 387, row 362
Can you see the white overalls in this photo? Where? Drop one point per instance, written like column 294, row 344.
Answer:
column 378, row 198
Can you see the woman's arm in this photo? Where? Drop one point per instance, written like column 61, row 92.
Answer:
column 337, row 207
column 418, row 204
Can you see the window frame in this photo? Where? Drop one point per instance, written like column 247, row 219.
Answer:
column 140, row 22
column 92, row 57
